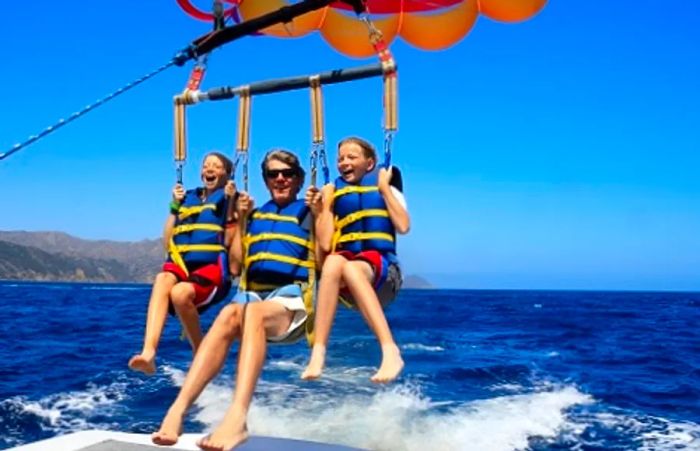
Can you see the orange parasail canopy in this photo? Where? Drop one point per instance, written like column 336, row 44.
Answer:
column 426, row 24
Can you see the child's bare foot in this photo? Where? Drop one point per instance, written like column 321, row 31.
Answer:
column 231, row 432
column 144, row 362
column 315, row 367
column 170, row 430
column 391, row 366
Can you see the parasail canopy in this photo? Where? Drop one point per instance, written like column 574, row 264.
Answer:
column 425, row 24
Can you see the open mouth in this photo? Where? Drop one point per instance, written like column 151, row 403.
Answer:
column 210, row 178
column 347, row 172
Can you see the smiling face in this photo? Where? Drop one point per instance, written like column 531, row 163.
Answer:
column 214, row 175
column 282, row 180
column 353, row 162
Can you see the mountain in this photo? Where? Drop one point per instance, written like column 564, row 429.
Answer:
column 416, row 282
column 59, row 256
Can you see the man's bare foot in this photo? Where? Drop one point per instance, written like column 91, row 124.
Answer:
column 144, row 363
column 315, row 367
column 391, row 366
column 231, row 432
column 170, row 430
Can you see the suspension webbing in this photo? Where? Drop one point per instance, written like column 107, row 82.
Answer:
column 390, row 98
column 242, row 147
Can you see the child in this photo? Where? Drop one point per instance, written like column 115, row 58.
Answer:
column 195, row 275
column 361, row 214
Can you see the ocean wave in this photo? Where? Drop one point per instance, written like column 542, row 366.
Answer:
column 399, row 418
column 63, row 412
column 421, row 347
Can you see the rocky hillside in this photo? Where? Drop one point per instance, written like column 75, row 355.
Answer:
column 56, row 256
column 59, row 256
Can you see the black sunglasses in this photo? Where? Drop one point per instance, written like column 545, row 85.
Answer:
column 286, row 173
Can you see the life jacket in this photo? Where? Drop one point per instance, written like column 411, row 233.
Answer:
column 198, row 234
column 278, row 250
column 362, row 221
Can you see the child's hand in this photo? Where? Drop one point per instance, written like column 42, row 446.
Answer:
column 230, row 189
column 245, row 204
column 384, row 179
column 179, row 193
column 313, row 200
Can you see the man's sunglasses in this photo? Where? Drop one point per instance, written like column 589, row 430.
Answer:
column 286, row 173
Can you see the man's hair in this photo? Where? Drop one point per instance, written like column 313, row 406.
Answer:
column 286, row 157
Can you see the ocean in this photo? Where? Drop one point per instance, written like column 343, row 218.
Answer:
column 485, row 370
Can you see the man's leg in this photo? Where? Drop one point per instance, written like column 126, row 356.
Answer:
column 207, row 363
column 155, row 321
column 261, row 320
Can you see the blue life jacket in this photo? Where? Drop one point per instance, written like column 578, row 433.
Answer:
column 362, row 221
column 278, row 247
column 198, row 233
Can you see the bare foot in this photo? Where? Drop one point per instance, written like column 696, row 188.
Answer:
column 391, row 366
column 315, row 367
column 231, row 432
column 170, row 430
column 144, row 363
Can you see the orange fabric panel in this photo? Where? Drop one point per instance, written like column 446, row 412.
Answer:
column 350, row 36
column 300, row 26
column 437, row 31
column 510, row 10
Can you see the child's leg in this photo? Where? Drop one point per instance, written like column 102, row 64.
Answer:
column 207, row 363
column 326, row 305
column 262, row 319
column 183, row 298
column 155, row 321
column 357, row 275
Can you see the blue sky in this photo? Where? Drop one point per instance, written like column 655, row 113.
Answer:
column 561, row 152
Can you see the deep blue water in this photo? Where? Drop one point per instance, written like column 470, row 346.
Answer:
column 485, row 370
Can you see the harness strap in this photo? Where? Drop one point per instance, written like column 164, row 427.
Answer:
column 279, row 258
column 275, row 217
column 186, row 212
column 185, row 228
column 358, row 215
column 278, row 236
column 354, row 189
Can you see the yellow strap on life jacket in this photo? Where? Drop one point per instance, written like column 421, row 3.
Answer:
column 353, row 217
column 183, row 248
column 255, row 286
column 186, row 212
column 278, row 236
column 185, row 228
column 275, row 217
column 360, row 236
column 278, row 258
column 176, row 257
column 354, row 189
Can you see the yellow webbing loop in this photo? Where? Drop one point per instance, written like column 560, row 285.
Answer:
column 353, row 217
column 183, row 248
column 278, row 258
column 354, row 189
column 176, row 257
column 186, row 212
column 278, row 236
column 185, row 228
column 339, row 238
column 275, row 217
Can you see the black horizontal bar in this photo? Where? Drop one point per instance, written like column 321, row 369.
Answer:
column 297, row 82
